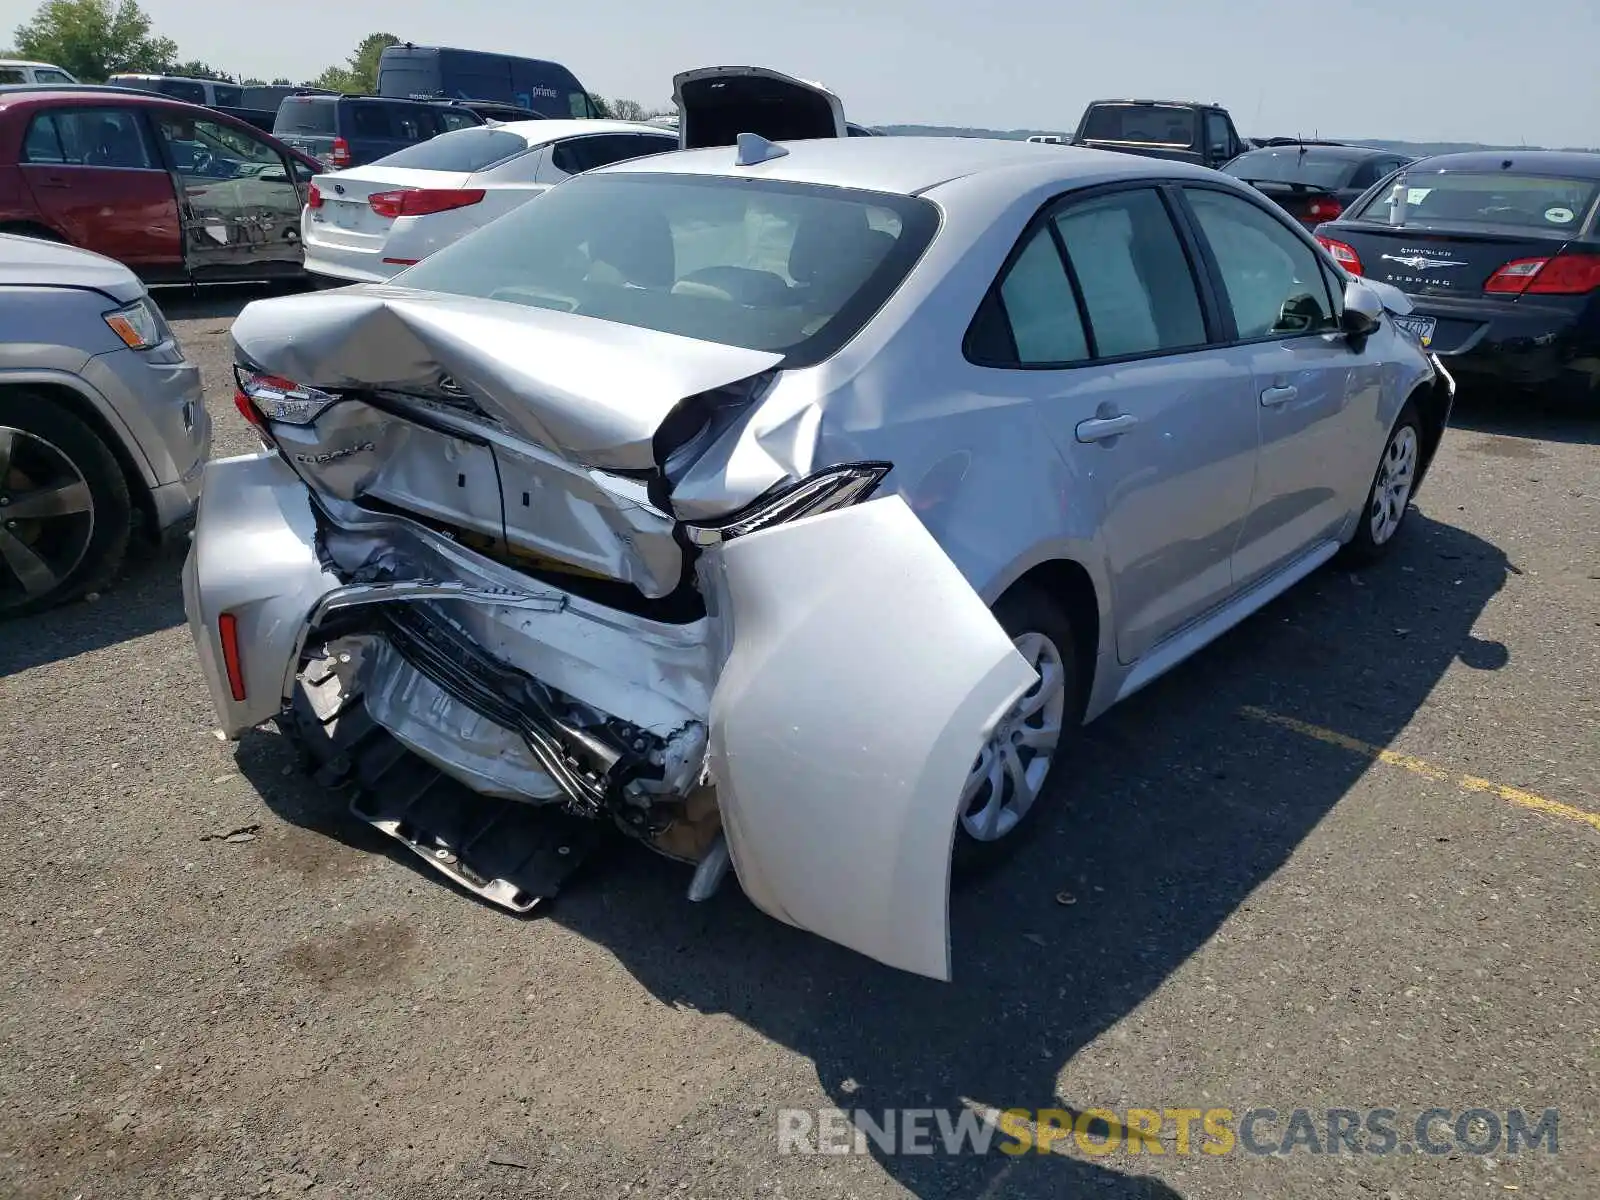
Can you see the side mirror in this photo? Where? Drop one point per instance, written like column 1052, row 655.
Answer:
column 1363, row 309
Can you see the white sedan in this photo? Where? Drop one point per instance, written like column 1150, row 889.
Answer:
column 367, row 224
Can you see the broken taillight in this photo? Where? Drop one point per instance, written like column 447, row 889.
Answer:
column 278, row 399
column 834, row 488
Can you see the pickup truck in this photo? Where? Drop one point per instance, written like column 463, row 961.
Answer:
column 1174, row 129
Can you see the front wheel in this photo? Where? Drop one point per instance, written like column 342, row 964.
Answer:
column 1389, row 497
column 64, row 507
column 1012, row 782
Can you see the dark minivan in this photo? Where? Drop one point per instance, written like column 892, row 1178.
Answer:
column 349, row 131
column 444, row 72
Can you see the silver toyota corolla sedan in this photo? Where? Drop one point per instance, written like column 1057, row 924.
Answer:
column 781, row 504
column 101, row 422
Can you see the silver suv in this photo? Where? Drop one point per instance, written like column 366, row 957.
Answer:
column 102, row 426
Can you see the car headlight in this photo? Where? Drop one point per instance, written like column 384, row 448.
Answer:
column 139, row 325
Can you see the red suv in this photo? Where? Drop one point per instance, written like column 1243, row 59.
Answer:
column 177, row 192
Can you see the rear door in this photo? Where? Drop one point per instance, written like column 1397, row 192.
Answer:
column 378, row 128
column 240, row 205
column 1102, row 310
column 1318, row 397
column 97, row 177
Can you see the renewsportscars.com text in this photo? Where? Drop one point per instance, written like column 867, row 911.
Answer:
column 1258, row 1131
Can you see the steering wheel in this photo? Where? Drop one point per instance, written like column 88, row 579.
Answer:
column 201, row 162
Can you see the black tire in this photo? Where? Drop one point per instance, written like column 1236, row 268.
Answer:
column 1365, row 547
column 110, row 509
column 1021, row 611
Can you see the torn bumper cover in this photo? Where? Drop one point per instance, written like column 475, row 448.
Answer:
column 861, row 677
column 388, row 567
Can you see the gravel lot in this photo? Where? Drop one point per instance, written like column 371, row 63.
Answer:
column 1241, row 908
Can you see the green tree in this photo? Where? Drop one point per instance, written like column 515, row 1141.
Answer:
column 94, row 39
column 360, row 72
column 195, row 69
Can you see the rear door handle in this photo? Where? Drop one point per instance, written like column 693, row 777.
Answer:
column 1279, row 395
column 1097, row 429
column 53, row 181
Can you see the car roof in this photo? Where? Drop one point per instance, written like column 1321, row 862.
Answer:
column 28, row 62
column 1323, row 150
column 1161, row 103
column 23, row 94
column 1584, row 164
column 913, row 165
column 549, row 129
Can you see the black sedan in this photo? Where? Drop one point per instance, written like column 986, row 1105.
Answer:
column 1313, row 181
column 1500, row 254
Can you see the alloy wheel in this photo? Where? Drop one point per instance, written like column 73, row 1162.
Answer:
column 1391, row 493
column 46, row 516
column 1010, row 771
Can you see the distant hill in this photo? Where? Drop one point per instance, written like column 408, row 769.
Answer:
column 1411, row 149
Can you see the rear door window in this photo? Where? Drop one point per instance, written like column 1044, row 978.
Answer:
column 1036, row 302
column 89, row 137
column 455, row 118
column 228, row 95
column 13, row 75
column 372, row 121
column 1135, row 279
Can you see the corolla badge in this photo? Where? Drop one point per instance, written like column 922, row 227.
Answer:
column 1421, row 262
column 317, row 460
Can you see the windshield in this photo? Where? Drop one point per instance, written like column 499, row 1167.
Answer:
column 1292, row 166
column 1157, row 124
column 791, row 268
column 1500, row 199
column 473, row 149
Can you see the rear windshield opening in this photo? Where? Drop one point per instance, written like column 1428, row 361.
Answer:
column 305, row 116
column 475, row 149
column 1155, row 124
column 1500, row 199
column 791, row 268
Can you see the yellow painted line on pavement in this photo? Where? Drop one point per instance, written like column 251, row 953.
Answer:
column 1419, row 766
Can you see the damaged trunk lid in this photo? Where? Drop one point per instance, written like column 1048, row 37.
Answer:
column 529, row 433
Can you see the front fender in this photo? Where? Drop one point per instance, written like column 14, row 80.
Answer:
column 863, row 678
column 254, row 557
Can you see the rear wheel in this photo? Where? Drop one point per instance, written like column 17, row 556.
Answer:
column 1013, row 781
column 1389, row 497
column 64, row 506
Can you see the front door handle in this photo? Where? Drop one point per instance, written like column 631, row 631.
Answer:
column 1098, row 429
column 53, row 181
column 1279, row 395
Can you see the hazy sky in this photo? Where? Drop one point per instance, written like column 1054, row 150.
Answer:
column 1420, row 70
